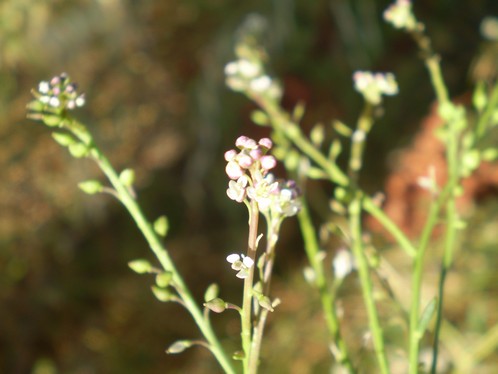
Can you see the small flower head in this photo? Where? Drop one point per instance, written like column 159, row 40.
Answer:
column 249, row 169
column 59, row 93
column 373, row 85
column 240, row 263
column 401, row 16
column 248, row 75
column 249, row 161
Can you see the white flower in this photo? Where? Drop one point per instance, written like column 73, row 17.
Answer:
column 43, row 87
column 373, row 85
column 400, row 15
column 54, row 101
column 240, row 263
column 237, row 189
column 343, row 263
column 261, row 84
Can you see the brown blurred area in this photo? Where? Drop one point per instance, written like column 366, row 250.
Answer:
column 153, row 76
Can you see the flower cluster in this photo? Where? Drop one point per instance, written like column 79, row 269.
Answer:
column 400, row 15
column 59, row 93
column 246, row 75
column 373, row 85
column 249, row 169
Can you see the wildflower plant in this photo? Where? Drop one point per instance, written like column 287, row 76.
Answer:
column 251, row 181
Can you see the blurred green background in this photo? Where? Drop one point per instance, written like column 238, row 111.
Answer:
column 156, row 101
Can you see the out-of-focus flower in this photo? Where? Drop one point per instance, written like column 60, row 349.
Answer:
column 401, row 16
column 248, row 76
column 343, row 263
column 373, row 85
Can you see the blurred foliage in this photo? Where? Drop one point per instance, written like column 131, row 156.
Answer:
column 153, row 74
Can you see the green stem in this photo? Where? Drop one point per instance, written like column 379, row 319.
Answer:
column 282, row 123
column 432, row 62
column 260, row 322
column 414, row 336
column 248, row 284
column 327, row 299
column 358, row 141
column 156, row 246
column 485, row 117
column 366, row 282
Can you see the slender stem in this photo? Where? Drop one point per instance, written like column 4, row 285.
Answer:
column 327, row 299
column 485, row 117
column 256, row 340
column 417, row 285
column 248, row 284
column 439, row 319
column 366, row 282
column 156, row 246
column 432, row 62
column 272, row 235
column 282, row 123
column 365, row 123
column 370, row 207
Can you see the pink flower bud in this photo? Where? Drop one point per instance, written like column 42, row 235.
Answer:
column 230, row 155
column 268, row 162
column 245, row 142
column 256, row 153
column 245, row 161
column 265, row 143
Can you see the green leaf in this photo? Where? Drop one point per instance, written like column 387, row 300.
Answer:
column 78, row 150
column 163, row 279
column 127, row 177
column 140, row 266
column 426, row 317
column 162, row 294
column 490, row 154
column 260, row 118
column 35, row 106
column 335, row 149
column 317, row 134
column 91, row 187
column 479, row 98
column 63, row 139
column 211, row 292
column 291, row 160
column 161, row 226
column 316, row 173
column 342, row 129
column 52, row 120
column 298, row 113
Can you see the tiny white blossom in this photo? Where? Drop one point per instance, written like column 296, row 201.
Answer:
column 248, row 69
column 343, row 263
column 261, row 84
column 43, row 87
column 400, row 15
column 373, row 85
column 240, row 263
column 80, row 101
column 231, row 68
column 54, row 101
column 233, row 257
